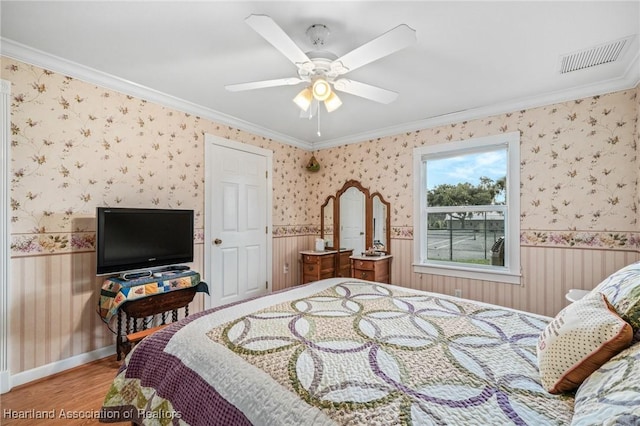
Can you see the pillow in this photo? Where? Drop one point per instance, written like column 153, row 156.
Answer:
column 611, row 395
column 581, row 338
column 622, row 289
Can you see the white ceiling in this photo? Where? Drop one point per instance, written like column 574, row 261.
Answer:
column 471, row 59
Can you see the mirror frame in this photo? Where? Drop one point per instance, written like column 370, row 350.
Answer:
column 368, row 229
column 368, row 215
column 333, row 219
column 387, row 242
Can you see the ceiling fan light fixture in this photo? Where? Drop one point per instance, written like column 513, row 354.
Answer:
column 333, row 102
column 321, row 89
column 321, row 70
column 303, row 99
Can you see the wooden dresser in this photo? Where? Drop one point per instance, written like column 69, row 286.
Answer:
column 372, row 268
column 318, row 265
column 344, row 263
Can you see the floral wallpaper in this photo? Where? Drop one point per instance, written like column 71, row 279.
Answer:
column 579, row 170
column 76, row 146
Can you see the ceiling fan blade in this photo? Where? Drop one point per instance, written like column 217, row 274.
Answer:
column 267, row 28
column 289, row 81
column 393, row 40
column 364, row 90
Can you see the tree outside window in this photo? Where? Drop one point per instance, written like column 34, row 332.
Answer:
column 466, row 200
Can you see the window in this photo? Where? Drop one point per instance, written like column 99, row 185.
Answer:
column 467, row 208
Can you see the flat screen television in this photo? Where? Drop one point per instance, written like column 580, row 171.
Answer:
column 130, row 239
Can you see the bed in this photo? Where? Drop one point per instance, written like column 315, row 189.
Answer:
column 343, row 351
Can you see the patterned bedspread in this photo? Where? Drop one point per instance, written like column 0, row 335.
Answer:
column 340, row 351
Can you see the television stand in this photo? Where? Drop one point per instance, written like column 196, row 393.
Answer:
column 139, row 310
column 141, row 304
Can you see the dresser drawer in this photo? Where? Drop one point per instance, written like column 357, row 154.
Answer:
column 364, row 264
column 325, row 261
column 311, row 269
column 375, row 269
column 318, row 266
column 364, row 274
column 368, row 275
column 311, row 259
column 328, row 263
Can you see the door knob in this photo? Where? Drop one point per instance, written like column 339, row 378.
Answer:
column 217, row 241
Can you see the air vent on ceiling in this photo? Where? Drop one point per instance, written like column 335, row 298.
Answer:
column 598, row 55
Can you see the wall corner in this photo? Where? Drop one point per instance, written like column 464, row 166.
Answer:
column 5, row 125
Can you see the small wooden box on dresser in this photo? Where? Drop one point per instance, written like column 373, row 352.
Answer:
column 372, row 268
column 318, row 265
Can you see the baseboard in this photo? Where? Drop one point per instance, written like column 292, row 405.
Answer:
column 5, row 382
column 57, row 367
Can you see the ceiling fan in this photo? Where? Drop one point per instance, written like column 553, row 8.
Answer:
column 323, row 71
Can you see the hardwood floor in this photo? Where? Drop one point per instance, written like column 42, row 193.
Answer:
column 78, row 392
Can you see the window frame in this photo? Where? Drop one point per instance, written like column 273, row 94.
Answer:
column 510, row 272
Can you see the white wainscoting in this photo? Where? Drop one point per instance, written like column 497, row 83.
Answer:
column 54, row 320
column 286, row 251
column 547, row 275
column 53, row 299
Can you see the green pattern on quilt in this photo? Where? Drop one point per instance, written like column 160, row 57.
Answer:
column 622, row 289
column 128, row 392
column 611, row 395
column 368, row 354
column 159, row 410
column 632, row 310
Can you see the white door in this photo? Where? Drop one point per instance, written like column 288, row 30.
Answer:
column 238, row 221
column 352, row 220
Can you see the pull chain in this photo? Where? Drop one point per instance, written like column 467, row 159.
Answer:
column 319, row 134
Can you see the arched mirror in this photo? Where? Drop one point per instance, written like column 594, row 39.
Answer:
column 351, row 224
column 326, row 221
column 380, row 223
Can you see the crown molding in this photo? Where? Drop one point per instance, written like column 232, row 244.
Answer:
column 23, row 53
column 629, row 80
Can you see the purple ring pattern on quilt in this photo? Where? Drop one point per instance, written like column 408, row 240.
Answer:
column 389, row 349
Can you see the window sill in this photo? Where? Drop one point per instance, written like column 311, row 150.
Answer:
column 470, row 273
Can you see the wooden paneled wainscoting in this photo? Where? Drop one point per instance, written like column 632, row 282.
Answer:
column 547, row 274
column 53, row 313
column 286, row 254
column 53, row 298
